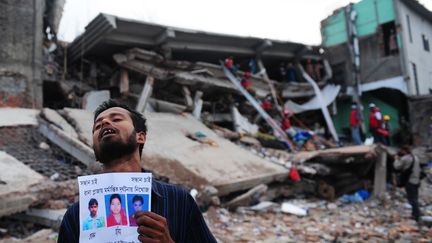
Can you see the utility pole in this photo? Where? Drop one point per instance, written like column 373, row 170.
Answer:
column 354, row 50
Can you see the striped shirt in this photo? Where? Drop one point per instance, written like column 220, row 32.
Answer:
column 185, row 221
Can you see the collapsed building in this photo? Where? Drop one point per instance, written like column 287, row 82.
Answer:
column 379, row 53
column 203, row 133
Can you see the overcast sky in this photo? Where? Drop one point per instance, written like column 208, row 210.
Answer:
column 291, row 20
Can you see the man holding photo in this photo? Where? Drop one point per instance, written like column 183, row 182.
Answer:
column 119, row 134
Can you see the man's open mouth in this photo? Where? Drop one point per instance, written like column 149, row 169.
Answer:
column 107, row 132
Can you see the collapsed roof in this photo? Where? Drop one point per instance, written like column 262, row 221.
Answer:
column 108, row 34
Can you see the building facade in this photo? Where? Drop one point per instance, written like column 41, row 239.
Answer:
column 391, row 40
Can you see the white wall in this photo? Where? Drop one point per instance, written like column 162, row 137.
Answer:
column 414, row 51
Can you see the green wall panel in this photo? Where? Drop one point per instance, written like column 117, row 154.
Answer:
column 366, row 21
column 386, row 11
column 334, row 30
column 334, row 27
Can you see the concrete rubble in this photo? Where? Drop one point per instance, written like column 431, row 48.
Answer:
column 14, row 185
column 371, row 221
column 170, row 153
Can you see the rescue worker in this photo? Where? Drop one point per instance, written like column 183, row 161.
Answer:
column 286, row 124
column 266, row 103
column 375, row 122
column 247, row 84
column 355, row 124
column 386, row 130
column 229, row 64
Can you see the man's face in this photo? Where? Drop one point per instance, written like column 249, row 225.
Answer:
column 113, row 135
column 93, row 210
column 137, row 206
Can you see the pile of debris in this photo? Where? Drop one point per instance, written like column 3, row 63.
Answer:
column 52, row 147
column 324, row 221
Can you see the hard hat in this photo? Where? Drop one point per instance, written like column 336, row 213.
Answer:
column 386, row 118
column 372, row 105
column 247, row 74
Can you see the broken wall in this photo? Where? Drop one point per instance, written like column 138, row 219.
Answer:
column 420, row 110
column 21, row 35
column 374, row 66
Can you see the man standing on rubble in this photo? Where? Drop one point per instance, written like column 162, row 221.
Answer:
column 355, row 124
column 409, row 167
column 375, row 122
column 119, row 134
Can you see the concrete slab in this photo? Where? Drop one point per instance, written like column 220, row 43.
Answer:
column 226, row 166
column 336, row 152
column 47, row 217
column 169, row 152
column 93, row 99
column 82, row 120
column 18, row 117
column 15, row 182
column 55, row 118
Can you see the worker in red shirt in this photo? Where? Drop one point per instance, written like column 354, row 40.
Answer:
column 375, row 122
column 229, row 64
column 355, row 124
column 266, row 103
column 286, row 124
column 247, row 84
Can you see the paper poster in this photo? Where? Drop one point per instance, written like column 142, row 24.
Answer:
column 107, row 203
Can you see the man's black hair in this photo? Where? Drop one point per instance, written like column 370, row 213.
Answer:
column 404, row 150
column 137, row 198
column 93, row 202
column 115, row 196
column 138, row 120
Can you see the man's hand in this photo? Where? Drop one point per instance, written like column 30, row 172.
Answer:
column 152, row 227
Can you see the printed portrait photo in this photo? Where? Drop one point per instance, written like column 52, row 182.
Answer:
column 94, row 219
column 136, row 203
column 115, row 210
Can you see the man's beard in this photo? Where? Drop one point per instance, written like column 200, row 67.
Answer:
column 112, row 150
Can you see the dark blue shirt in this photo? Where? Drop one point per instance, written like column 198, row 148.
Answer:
column 185, row 221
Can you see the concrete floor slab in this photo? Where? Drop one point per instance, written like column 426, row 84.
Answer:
column 82, row 120
column 15, row 181
column 18, row 117
column 53, row 117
